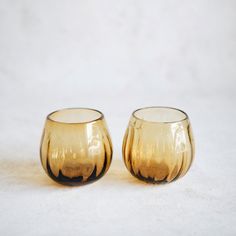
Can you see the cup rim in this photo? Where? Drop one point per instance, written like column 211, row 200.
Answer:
column 160, row 122
column 101, row 116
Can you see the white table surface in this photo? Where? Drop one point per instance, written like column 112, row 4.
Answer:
column 117, row 57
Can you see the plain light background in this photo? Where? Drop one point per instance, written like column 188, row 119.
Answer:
column 117, row 56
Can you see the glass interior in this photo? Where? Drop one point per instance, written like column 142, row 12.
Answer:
column 160, row 114
column 75, row 115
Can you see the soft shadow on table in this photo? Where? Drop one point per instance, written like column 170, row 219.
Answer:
column 118, row 174
column 29, row 173
column 24, row 172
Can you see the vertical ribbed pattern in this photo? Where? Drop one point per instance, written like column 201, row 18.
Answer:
column 75, row 154
column 158, row 152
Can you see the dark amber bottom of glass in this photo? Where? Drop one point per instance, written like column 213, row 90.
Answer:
column 76, row 181
column 153, row 180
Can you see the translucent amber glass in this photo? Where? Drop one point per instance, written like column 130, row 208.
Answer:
column 158, row 145
column 76, row 147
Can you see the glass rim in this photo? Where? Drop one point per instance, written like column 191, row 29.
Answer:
column 101, row 116
column 161, row 122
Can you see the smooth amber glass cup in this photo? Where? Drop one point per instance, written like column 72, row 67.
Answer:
column 76, row 147
column 158, row 145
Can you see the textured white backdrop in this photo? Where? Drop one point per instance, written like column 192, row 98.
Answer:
column 117, row 56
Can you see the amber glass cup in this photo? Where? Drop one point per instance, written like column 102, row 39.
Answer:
column 158, row 145
column 76, row 148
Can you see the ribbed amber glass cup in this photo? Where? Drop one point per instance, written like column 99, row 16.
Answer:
column 76, row 147
column 158, row 145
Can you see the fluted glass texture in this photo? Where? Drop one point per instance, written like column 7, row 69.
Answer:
column 158, row 145
column 76, row 147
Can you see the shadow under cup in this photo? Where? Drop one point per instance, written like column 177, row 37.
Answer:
column 158, row 145
column 76, row 147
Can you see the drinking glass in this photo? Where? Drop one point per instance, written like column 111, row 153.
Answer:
column 158, row 145
column 76, row 148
